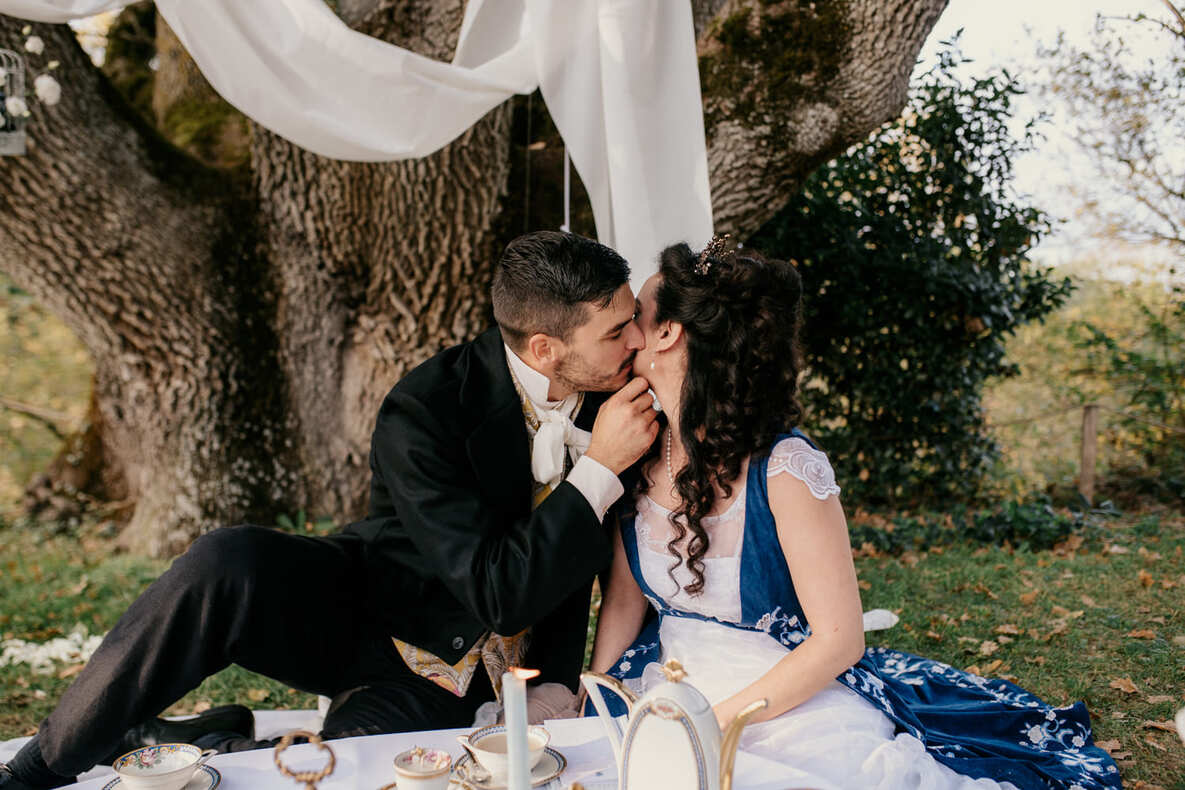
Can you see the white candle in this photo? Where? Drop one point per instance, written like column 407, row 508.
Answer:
column 514, row 702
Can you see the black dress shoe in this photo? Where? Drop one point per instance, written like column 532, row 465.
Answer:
column 230, row 719
column 10, row 782
column 27, row 770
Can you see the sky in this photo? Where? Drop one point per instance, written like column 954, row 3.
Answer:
column 1005, row 33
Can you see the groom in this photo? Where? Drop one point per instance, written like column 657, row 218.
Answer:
column 484, row 533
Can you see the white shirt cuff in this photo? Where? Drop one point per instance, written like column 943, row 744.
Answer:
column 598, row 485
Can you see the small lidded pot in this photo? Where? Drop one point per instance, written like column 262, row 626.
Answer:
column 423, row 769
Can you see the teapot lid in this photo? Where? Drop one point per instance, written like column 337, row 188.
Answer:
column 676, row 690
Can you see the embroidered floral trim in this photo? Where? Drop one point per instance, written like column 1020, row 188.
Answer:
column 796, row 457
column 1052, row 730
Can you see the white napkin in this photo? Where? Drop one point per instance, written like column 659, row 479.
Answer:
column 555, row 435
column 879, row 619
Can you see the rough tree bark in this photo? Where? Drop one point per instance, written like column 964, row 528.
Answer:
column 245, row 322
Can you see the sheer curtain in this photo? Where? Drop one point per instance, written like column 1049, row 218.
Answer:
column 619, row 77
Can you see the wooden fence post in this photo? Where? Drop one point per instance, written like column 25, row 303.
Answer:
column 1090, row 434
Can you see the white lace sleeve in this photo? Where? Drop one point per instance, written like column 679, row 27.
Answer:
column 795, row 456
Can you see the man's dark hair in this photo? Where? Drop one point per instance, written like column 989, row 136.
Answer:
column 545, row 280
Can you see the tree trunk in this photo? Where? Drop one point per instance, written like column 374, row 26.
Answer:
column 246, row 321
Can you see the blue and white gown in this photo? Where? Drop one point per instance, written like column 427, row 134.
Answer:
column 892, row 721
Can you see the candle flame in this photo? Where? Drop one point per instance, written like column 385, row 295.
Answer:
column 524, row 674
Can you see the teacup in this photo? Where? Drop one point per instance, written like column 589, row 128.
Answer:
column 489, row 747
column 423, row 769
column 165, row 766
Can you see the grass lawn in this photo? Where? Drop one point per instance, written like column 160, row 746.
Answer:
column 1103, row 622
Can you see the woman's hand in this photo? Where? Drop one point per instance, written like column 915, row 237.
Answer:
column 724, row 714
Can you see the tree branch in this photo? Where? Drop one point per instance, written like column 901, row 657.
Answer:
column 47, row 417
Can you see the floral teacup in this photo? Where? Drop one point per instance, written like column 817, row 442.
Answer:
column 489, row 746
column 165, row 766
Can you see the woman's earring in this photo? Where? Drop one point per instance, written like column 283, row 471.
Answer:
column 652, row 364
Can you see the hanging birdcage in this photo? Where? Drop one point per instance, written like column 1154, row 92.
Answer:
column 12, row 85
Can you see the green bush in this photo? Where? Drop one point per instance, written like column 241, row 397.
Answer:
column 912, row 250
column 1147, row 370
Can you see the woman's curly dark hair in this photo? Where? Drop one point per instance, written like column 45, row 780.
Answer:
column 741, row 319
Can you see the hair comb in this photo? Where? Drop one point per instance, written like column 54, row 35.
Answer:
column 717, row 248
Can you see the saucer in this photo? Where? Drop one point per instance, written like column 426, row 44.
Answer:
column 204, row 778
column 550, row 765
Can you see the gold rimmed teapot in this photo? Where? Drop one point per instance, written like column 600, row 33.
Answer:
column 671, row 738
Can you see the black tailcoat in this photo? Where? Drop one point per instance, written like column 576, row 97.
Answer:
column 452, row 547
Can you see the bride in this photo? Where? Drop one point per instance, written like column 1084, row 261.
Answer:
column 737, row 539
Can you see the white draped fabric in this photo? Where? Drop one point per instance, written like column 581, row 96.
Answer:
column 619, row 77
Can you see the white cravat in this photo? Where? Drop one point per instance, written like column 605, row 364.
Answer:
column 556, row 434
column 599, row 486
column 556, row 431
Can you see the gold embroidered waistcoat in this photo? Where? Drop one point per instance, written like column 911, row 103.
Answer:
column 495, row 652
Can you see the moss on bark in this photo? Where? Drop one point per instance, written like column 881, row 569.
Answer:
column 767, row 59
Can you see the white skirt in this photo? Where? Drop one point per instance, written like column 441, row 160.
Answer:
column 836, row 739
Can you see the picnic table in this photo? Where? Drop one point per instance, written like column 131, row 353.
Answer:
column 366, row 763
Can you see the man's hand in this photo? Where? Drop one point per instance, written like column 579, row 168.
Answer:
column 625, row 427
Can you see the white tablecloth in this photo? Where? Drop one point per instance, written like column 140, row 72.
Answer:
column 366, row 763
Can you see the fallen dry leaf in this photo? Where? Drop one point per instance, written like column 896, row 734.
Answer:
column 257, row 695
column 1086, row 599
column 1141, row 633
column 1028, row 598
column 202, row 706
column 988, row 647
column 1156, row 699
column 1061, row 611
column 1179, row 641
column 965, row 639
column 1165, row 725
column 1110, row 747
column 1124, row 684
column 1166, row 584
column 974, row 669
column 864, row 585
column 1145, row 578
column 1007, row 628
column 1148, row 556
column 982, row 589
column 866, row 550
column 937, row 637
column 993, row 666
column 70, row 672
column 1111, row 548
column 1003, row 639
column 1154, row 744
column 1059, row 627
column 1140, row 784
column 1069, row 545
column 1038, row 660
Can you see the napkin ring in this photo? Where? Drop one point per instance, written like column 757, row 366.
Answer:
column 309, row 778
